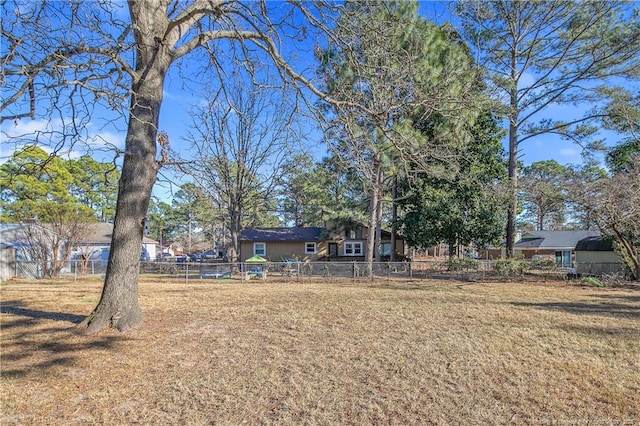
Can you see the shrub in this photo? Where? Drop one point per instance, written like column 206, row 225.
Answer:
column 509, row 267
column 547, row 265
column 462, row 264
column 592, row 281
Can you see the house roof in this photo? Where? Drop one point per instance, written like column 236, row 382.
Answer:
column 282, row 234
column 595, row 243
column 97, row 234
column 100, row 233
column 553, row 239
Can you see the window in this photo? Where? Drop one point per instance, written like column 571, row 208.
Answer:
column 310, row 248
column 563, row 258
column 353, row 249
column 354, row 233
column 385, row 249
column 259, row 249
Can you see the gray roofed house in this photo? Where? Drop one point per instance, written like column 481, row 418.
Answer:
column 552, row 245
column 594, row 243
column 275, row 244
column 333, row 242
column 553, row 239
column 100, row 234
column 283, row 234
column 12, row 238
column 99, row 237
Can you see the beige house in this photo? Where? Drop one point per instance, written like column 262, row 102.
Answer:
column 558, row 246
column 555, row 246
column 595, row 256
column 333, row 242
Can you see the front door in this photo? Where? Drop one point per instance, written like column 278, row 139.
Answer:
column 333, row 249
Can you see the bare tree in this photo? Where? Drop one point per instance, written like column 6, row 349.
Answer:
column 614, row 204
column 241, row 138
column 50, row 244
column 63, row 57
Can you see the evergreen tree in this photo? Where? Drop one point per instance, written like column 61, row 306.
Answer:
column 36, row 193
column 540, row 55
column 462, row 207
column 387, row 64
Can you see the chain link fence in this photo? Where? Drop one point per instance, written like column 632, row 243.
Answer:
column 460, row 269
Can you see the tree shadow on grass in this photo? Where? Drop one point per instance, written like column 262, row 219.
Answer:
column 11, row 308
column 625, row 297
column 32, row 346
column 588, row 308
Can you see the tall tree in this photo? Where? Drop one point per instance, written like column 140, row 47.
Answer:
column 192, row 208
column 314, row 193
column 540, row 55
column 462, row 208
column 387, row 63
column 543, row 194
column 36, row 192
column 61, row 58
column 581, row 216
column 38, row 185
column 299, row 190
column 160, row 222
column 242, row 137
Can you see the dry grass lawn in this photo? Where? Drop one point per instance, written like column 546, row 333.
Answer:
column 422, row 352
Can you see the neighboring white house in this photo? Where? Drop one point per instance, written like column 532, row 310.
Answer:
column 19, row 244
column 11, row 241
column 98, row 242
column 16, row 258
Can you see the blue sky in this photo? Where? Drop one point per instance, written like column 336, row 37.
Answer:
column 179, row 99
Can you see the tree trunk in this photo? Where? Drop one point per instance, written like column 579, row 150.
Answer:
column 453, row 250
column 375, row 191
column 118, row 307
column 512, row 209
column 629, row 253
column 371, row 238
column 235, row 217
column 540, row 220
column 378, row 249
column 394, row 219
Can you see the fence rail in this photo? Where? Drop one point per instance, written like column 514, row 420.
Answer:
column 465, row 269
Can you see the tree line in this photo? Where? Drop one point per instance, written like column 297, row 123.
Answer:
column 411, row 111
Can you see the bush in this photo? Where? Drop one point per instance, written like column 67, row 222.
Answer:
column 462, row 264
column 592, row 281
column 509, row 267
column 615, row 279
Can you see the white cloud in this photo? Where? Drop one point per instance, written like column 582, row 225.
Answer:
column 15, row 135
column 23, row 128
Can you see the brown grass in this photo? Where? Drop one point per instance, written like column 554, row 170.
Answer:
column 420, row 352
